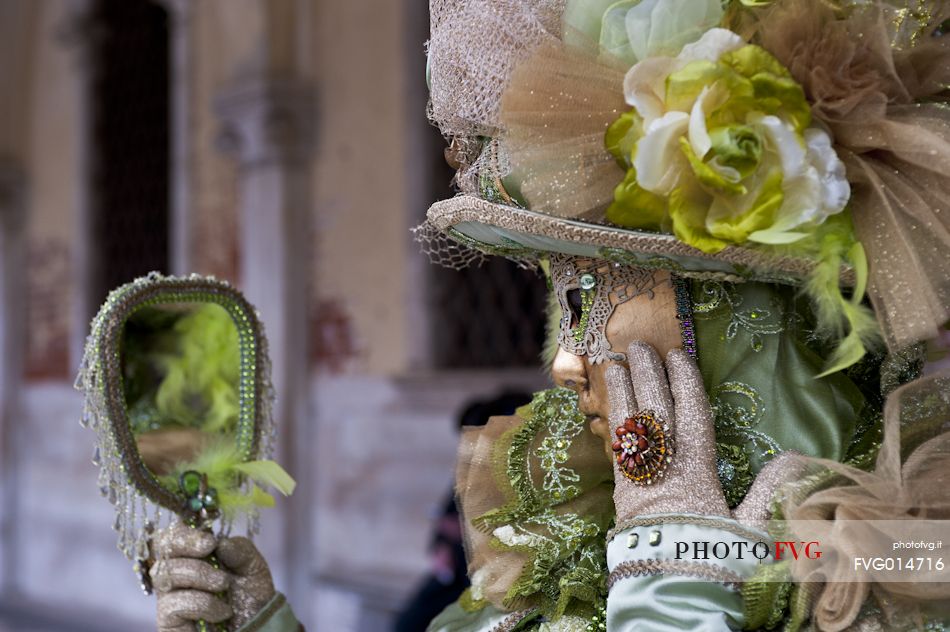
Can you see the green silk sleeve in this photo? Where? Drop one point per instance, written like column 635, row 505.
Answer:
column 276, row 616
column 650, row 590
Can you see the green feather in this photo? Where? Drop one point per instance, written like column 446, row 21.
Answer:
column 221, row 462
column 268, row 473
column 838, row 317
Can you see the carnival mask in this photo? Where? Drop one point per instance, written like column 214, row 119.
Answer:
column 588, row 291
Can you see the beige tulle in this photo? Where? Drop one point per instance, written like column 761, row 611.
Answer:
column 492, row 571
column 873, row 96
column 910, row 481
column 559, row 104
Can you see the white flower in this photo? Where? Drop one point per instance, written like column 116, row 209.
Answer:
column 720, row 138
column 644, row 86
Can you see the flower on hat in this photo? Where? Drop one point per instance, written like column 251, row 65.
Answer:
column 719, row 148
column 632, row 30
column 731, row 140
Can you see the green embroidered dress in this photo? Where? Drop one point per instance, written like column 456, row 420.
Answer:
column 759, row 356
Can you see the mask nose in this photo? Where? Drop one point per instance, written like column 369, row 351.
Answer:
column 569, row 371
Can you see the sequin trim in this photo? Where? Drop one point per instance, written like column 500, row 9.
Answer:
column 641, row 568
column 684, row 314
column 756, row 321
column 737, row 409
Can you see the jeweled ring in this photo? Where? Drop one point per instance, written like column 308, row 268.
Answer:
column 643, row 447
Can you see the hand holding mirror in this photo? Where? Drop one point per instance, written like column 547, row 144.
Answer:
column 177, row 387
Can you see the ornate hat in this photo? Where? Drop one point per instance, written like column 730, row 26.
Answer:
column 801, row 142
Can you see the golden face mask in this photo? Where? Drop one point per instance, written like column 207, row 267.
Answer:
column 588, row 291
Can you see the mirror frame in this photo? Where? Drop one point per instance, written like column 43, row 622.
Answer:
column 153, row 291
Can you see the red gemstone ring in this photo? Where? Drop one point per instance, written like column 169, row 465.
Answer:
column 643, row 447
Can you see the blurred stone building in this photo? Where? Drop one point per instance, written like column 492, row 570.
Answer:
column 282, row 145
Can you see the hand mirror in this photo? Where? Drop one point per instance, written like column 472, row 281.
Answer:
column 177, row 387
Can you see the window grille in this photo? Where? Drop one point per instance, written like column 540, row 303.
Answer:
column 488, row 316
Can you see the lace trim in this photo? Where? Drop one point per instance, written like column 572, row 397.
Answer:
column 700, row 570
column 603, row 286
column 565, row 550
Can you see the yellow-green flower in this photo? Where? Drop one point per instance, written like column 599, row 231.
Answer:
column 719, row 149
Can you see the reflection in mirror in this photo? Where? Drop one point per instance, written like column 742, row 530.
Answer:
column 176, row 380
column 180, row 366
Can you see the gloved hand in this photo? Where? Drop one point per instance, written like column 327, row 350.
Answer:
column 188, row 586
column 668, row 498
column 685, row 479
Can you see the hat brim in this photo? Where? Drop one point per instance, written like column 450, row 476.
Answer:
column 521, row 234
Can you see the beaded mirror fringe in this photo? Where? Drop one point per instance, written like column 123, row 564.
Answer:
column 137, row 516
